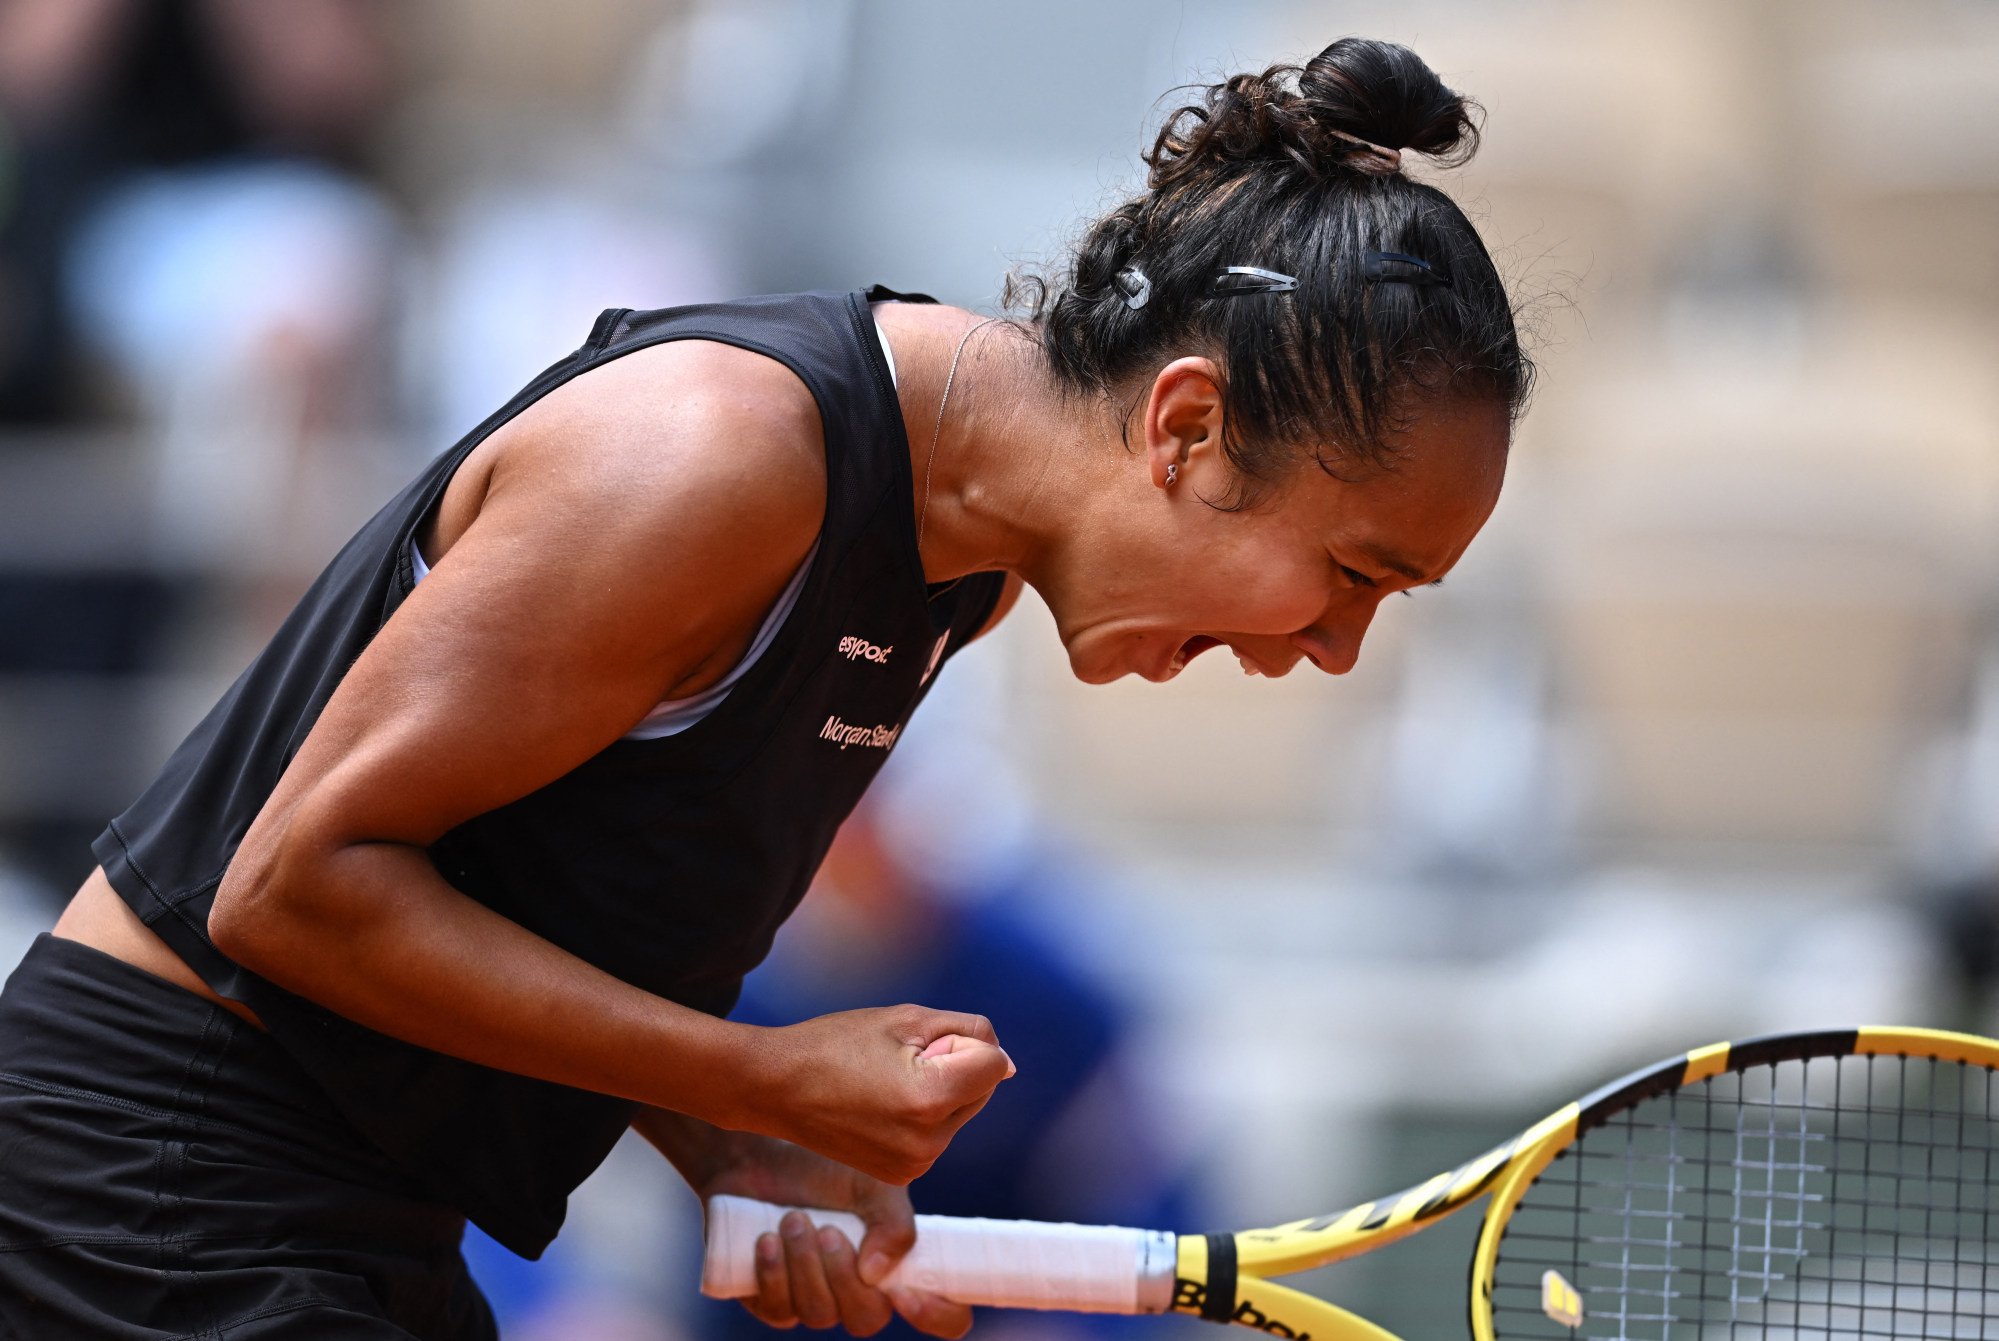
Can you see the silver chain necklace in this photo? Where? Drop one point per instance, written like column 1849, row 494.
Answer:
column 930, row 457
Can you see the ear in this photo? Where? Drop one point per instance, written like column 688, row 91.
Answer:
column 1182, row 422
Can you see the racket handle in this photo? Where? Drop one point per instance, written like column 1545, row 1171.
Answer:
column 1001, row 1263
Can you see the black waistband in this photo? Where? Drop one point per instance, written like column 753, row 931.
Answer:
column 78, row 1022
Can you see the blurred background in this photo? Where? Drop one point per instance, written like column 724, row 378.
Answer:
column 1701, row 740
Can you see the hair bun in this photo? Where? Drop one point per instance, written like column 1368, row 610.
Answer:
column 1385, row 94
column 1355, row 94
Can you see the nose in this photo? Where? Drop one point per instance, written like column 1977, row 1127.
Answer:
column 1333, row 643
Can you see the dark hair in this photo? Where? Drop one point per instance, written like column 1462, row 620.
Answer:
column 1264, row 172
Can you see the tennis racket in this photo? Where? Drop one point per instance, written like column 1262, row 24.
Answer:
column 1836, row 1184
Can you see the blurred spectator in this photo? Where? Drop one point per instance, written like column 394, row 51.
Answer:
column 186, row 240
column 590, row 160
column 186, row 208
column 571, row 242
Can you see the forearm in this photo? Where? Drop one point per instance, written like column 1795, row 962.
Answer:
column 372, row 932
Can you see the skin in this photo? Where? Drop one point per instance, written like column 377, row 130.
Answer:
column 1132, row 567
column 507, row 668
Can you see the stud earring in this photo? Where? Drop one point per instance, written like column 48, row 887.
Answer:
column 1172, row 473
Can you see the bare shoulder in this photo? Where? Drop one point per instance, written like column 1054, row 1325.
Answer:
column 654, row 506
column 680, row 437
column 692, row 405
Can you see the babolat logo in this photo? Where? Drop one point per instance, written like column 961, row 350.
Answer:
column 1191, row 1296
column 873, row 737
column 860, row 649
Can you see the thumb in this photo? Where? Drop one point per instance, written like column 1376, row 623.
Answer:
column 953, row 1042
column 967, row 1065
column 891, row 1232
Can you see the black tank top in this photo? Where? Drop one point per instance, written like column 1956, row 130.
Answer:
column 668, row 862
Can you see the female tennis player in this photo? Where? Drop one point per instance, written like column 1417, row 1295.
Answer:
column 458, row 881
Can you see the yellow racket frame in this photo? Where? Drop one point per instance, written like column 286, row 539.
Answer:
column 1240, row 1291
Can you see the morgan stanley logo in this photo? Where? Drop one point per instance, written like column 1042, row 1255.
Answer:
column 873, row 737
column 860, row 649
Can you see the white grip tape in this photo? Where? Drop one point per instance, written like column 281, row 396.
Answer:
column 1001, row 1263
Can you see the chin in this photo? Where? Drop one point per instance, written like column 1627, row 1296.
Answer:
column 1095, row 670
column 1099, row 675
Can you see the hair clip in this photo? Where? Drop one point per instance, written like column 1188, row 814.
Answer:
column 1393, row 267
column 1135, row 287
column 1376, row 160
column 1237, row 279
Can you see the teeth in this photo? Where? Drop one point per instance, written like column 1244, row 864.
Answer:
column 1247, row 669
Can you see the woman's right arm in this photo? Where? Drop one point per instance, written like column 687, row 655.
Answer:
column 610, row 557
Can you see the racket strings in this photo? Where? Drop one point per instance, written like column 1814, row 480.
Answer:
column 1819, row 1198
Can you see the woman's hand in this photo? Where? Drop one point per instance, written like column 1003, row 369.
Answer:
column 882, row 1091
column 805, row 1274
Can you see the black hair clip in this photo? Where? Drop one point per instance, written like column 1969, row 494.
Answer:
column 1393, row 267
column 1237, row 279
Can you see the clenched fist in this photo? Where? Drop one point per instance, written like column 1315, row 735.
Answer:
column 881, row 1090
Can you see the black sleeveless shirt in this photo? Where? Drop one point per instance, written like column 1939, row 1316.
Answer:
column 667, row 862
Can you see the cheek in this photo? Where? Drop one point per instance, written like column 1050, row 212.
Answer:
column 1247, row 575
column 1278, row 597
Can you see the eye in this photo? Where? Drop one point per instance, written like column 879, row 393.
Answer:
column 1357, row 578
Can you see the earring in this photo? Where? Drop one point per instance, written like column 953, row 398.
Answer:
column 1172, row 473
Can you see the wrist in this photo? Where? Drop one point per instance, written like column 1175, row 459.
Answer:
column 730, row 1091
column 755, row 1086
column 705, row 1069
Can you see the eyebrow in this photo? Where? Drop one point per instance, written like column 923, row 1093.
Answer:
column 1399, row 566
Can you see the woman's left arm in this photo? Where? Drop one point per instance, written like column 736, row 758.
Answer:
column 803, row 1276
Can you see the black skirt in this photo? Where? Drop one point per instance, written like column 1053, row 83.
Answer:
column 167, row 1171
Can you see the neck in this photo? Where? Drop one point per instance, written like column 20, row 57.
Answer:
column 1006, row 452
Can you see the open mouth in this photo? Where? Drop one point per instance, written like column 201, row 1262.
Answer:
column 1192, row 648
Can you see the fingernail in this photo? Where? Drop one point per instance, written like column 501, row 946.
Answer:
column 873, row 1267
column 1011, row 1069
column 767, row 1249
column 794, row 1226
column 831, row 1240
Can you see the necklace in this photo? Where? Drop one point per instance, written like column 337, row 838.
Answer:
column 930, row 457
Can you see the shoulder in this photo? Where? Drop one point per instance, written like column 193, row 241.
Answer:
column 684, row 410
column 658, row 502
column 687, row 441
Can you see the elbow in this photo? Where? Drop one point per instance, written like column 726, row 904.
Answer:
column 243, row 922
column 299, row 894
column 263, row 909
